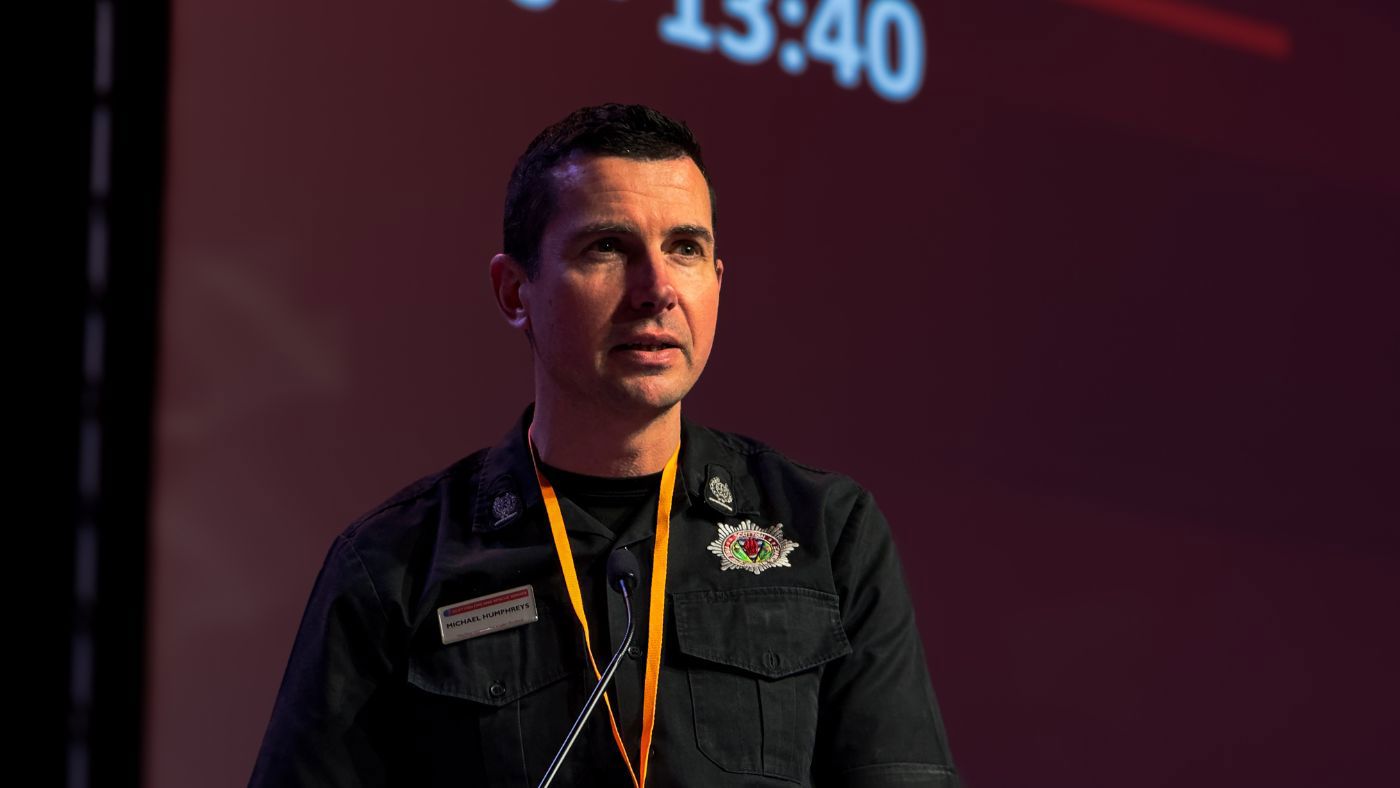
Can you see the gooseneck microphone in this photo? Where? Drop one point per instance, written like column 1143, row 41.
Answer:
column 623, row 573
column 622, row 578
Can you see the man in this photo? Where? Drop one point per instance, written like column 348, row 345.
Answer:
column 445, row 641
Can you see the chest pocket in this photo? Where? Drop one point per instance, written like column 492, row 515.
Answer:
column 753, row 659
column 497, row 668
column 489, row 704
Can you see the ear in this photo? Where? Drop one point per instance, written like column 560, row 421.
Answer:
column 507, row 279
column 719, row 271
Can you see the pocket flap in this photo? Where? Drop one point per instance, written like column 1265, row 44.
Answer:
column 771, row 632
column 500, row 667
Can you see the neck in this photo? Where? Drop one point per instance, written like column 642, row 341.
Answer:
column 612, row 444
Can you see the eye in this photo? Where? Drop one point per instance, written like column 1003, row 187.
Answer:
column 689, row 249
column 603, row 248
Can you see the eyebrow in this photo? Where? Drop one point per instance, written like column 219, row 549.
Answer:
column 623, row 228
column 606, row 228
column 695, row 230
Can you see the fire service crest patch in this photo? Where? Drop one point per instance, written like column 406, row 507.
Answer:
column 747, row 546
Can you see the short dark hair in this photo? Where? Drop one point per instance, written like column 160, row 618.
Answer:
column 631, row 131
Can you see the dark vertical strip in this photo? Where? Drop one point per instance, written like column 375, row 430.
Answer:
column 47, row 249
column 119, row 329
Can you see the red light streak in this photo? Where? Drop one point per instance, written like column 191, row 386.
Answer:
column 1197, row 21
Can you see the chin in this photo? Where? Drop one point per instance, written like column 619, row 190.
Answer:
column 654, row 399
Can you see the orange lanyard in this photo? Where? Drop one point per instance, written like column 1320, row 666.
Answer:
column 655, row 619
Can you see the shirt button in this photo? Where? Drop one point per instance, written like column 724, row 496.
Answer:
column 772, row 660
column 634, row 652
column 497, row 690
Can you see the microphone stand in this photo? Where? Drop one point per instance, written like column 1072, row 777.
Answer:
column 598, row 689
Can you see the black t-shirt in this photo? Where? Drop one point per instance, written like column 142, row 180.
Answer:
column 618, row 504
column 615, row 503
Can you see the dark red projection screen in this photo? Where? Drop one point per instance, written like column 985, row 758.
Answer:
column 1098, row 297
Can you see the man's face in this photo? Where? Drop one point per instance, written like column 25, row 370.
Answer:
column 623, row 305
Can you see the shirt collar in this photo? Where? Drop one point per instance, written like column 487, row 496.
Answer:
column 712, row 474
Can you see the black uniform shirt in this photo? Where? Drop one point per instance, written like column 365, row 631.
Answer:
column 808, row 671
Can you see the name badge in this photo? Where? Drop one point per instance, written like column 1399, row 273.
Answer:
column 485, row 614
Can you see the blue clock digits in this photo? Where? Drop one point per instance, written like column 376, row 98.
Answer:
column 792, row 58
column 792, row 12
column 902, row 82
column 852, row 36
column 685, row 28
column 756, row 44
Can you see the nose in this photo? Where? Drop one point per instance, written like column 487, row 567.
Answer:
column 650, row 289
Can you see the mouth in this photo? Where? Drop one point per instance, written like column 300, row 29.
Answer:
column 649, row 351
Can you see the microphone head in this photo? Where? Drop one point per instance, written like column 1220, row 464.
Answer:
column 623, row 570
